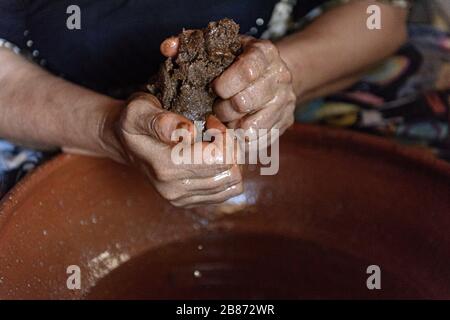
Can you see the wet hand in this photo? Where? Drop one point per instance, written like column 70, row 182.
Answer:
column 144, row 130
column 256, row 91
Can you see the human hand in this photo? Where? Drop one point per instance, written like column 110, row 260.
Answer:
column 143, row 132
column 256, row 91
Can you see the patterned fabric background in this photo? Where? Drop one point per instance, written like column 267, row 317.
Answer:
column 15, row 162
column 407, row 96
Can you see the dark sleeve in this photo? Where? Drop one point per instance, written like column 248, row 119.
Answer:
column 13, row 21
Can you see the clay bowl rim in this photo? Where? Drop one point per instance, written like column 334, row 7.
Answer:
column 355, row 141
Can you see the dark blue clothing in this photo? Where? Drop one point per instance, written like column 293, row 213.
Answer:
column 118, row 44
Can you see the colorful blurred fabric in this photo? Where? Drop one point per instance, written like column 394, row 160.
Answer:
column 16, row 162
column 406, row 97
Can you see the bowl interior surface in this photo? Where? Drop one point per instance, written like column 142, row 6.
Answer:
column 340, row 203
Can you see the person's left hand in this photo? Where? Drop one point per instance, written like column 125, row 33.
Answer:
column 256, row 91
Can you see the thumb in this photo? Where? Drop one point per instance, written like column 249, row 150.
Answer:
column 169, row 47
column 163, row 125
column 145, row 116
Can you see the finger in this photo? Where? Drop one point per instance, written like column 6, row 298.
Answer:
column 259, row 93
column 223, row 139
column 269, row 115
column 145, row 116
column 145, row 96
column 210, row 199
column 199, row 160
column 224, row 111
column 163, row 125
column 247, row 68
column 189, row 187
column 169, row 47
column 251, row 99
column 212, row 122
column 246, row 40
column 215, row 132
column 287, row 120
column 254, row 138
column 263, row 119
column 217, row 183
column 189, row 172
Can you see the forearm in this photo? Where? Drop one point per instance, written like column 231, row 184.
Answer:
column 339, row 44
column 44, row 111
column 331, row 87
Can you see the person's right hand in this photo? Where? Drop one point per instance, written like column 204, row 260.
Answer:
column 143, row 138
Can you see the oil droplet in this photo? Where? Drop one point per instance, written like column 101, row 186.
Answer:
column 44, row 232
column 197, row 274
column 200, row 247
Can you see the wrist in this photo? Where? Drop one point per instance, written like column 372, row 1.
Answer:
column 297, row 63
column 108, row 140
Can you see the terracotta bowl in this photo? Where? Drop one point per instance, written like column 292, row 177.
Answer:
column 340, row 203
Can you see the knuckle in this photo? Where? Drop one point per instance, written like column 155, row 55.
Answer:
column 164, row 176
column 241, row 102
column 167, row 195
column 172, row 196
column 292, row 107
column 177, row 204
column 127, row 113
column 126, row 119
column 247, row 124
column 170, row 192
column 219, row 86
column 268, row 48
column 123, row 121
column 240, row 188
column 249, row 72
column 225, row 112
column 237, row 189
column 287, row 96
column 233, row 181
column 291, row 120
column 236, row 177
column 271, row 48
column 284, row 76
column 292, row 97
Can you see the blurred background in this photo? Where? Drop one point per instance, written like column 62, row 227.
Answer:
column 407, row 96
